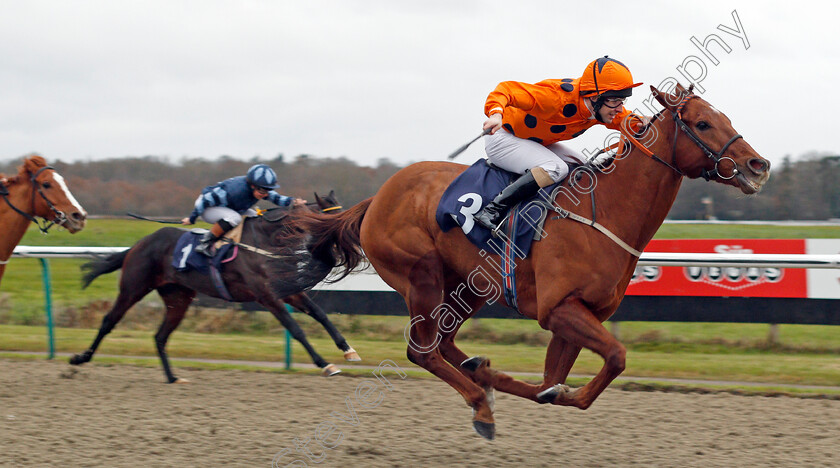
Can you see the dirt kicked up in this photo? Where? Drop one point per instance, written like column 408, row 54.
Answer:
column 121, row 416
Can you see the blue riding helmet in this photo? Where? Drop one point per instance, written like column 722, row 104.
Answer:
column 262, row 176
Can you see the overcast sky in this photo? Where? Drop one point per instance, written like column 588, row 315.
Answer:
column 392, row 79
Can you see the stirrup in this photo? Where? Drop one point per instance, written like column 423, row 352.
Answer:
column 494, row 231
column 204, row 246
column 204, row 249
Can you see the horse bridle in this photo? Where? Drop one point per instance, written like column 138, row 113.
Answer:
column 716, row 157
column 266, row 253
column 60, row 217
column 325, row 210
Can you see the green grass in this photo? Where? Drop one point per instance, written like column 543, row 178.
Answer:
column 23, row 275
column 745, row 231
column 99, row 232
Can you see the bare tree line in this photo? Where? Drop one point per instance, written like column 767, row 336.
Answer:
column 807, row 188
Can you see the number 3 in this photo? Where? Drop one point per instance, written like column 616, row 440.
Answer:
column 468, row 210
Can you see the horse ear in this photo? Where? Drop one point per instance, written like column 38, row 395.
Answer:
column 33, row 163
column 332, row 194
column 318, row 199
column 659, row 97
column 669, row 101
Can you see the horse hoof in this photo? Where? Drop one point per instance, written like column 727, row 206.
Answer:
column 330, row 370
column 351, row 355
column 181, row 381
column 472, row 363
column 79, row 359
column 550, row 394
column 486, row 430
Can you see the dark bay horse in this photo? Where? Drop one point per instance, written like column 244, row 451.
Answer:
column 574, row 278
column 37, row 191
column 148, row 265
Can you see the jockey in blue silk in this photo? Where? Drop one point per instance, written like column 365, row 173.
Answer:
column 224, row 203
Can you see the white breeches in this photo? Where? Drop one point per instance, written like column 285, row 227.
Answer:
column 215, row 213
column 519, row 155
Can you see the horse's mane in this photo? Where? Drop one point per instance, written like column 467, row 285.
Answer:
column 295, row 268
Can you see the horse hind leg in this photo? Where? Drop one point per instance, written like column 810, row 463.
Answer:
column 285, row 318
column 475, row 368
column 176, row 299
column 305, row 304
column 424, row 298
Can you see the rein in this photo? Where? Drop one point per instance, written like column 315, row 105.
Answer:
column 60, row 217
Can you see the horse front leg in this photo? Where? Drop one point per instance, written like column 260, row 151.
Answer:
column 577, row 325
column 279, row 311
column 560, row 356
column 305, row 304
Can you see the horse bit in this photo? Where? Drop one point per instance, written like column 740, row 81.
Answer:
column 60, row 217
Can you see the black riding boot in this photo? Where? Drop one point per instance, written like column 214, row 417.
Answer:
column 210, row 237
column 494, row 213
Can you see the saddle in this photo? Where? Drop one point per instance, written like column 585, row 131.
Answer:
column 234, row 235
column 226, row 249
column 476, row 187
column 184, row 257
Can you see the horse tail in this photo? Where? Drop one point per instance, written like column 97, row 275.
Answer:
column 334, row 238
column 102, row 266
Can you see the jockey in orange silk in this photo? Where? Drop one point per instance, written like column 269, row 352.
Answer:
column 527, row 123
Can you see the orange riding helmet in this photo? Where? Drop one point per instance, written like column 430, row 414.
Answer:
column 606, row 75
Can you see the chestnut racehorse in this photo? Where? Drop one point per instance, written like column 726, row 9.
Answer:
column 37, row 191
column 574, row 278
column 250, row 277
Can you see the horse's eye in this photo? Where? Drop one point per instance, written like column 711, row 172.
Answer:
column 46, row 185
column 701, row 125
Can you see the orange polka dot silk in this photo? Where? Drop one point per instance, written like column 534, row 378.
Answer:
column 546, row 112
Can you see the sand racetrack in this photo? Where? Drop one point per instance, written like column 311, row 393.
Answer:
column 126, row 416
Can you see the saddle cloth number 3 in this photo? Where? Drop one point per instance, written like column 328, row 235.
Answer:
column 471, row 205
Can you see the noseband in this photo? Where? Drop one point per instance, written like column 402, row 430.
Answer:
column 716, row 157
column 60, row 217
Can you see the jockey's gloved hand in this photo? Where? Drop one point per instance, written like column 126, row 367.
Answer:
column 493, row 124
